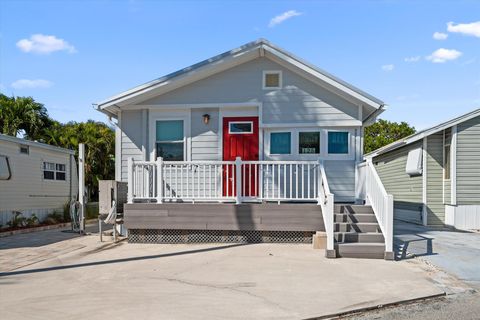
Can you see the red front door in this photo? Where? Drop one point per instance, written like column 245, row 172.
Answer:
column 240, row 139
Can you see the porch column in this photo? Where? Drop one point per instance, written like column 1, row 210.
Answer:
column 238, row 180
column 130, row 180
column 159, row 180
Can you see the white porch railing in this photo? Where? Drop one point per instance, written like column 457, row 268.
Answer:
column 382, row 204
column 326, row 201
column 190, row 181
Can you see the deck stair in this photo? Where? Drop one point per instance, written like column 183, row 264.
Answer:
column 357, row 232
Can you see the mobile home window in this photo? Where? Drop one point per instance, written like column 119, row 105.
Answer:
column 280, row 142
column 272, row 80
column 309, row 142
column 338, row 142
column 54, row 171
column 24, row 149
column 170, row 140
column 5, row 172
column 446, row 162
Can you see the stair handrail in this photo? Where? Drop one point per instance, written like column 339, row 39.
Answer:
column 326, row 201
column 382, row 204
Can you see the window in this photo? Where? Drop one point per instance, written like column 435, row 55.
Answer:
column 338, row 142
column 272, row 80
column 309, row 142
column 170, row 140
column 240, row 127
column 5, row 172
column 280, row 142
column 54, row 171
column 24, row 149
column 446, row 162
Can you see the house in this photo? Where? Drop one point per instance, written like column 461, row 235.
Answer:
column 254, row 144
column 35, row 178
column 434, row 174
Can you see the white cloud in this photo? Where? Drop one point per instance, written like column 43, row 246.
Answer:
column 470, row 29
column 44, row 44
column 443, row 55
column 284, row 16
column 31, row 84
column 388, row 67
column 413, row 59
column 440, row 36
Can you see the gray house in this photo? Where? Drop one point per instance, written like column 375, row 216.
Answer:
column 434, row 174
column 254, row 144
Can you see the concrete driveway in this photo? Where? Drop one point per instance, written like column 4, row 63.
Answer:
column 79, row 278
column 455, row 252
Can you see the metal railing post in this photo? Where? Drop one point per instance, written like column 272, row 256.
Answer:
column 130, row 180
column 159, row 163
column 238, row 180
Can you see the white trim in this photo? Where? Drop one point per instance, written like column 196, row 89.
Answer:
column 424, row 183
column 264, row 79
column 231, row 105
column 144, row 134
column 118, row 148
column 443, row 168
column 325, row 124
column 240, row 122
column 453, row 166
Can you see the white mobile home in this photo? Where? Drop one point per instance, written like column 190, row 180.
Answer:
column 434, row 174
column 34, row 178
column 255, row 142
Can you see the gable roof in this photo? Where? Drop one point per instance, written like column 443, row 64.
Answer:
column 4, row 137
column 424, row 133
column 228, row 60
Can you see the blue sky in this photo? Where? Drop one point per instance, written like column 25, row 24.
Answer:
column 421, row 57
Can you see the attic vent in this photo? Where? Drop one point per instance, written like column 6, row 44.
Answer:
column 272, row 80
column 415, row 162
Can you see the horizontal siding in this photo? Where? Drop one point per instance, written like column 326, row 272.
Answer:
column 131, row 139
column 341, row 179
column 27, row 191
column 435, row 206
column 468, row 162
column 406, row 190
column 299, row 100
column 205, row 138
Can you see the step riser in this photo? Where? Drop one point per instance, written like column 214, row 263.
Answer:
column 362, row 255
column 356, row 228
column 355, row 218
column 359, row 238
column 361, row 251
column 353, row 209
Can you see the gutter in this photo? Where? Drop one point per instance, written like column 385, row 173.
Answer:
column 374, row 115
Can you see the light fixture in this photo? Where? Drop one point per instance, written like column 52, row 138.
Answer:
column 206, row 118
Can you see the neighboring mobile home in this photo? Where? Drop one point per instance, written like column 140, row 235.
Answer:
column 35, row 178
column 434, row 174
column 201, row 147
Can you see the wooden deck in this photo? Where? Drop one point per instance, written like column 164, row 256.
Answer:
column 225, row 216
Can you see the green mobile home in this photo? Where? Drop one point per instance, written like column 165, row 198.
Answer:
column 434, row 175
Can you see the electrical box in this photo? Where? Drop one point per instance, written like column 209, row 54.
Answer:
column 110, row 190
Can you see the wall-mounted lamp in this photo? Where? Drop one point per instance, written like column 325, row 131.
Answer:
column 206, row 118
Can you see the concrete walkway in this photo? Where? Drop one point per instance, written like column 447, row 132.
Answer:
column 455, row 252
column 81, row 278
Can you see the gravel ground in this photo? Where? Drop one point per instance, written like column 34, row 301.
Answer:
column 460, row 306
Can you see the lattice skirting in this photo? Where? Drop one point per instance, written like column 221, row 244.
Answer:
column 217, row 236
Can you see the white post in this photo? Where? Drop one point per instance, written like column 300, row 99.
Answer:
column 159, row 180
column 81, row 185
column 389, row 228
column 238, row 180
column 319, row 178
column 330, row 230
column 130, row 180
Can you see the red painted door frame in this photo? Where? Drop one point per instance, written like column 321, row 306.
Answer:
column 244, row 145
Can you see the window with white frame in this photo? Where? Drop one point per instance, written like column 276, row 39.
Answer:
column 280, row 143
column 170, row 140
column 5, row 172
column 54, row 171
column 309, row 142
column 272, row 80
column 338, row 142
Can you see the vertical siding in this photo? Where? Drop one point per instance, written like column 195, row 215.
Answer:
column 407, row 190
column 341, row 179
column 468, row 162
column 435, row 206
column 205, row 137
column 27, row 191
column 299, row 100
column 131, row 138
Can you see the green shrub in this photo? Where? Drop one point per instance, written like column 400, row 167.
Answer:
column 32, row 221
column 18, row 220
